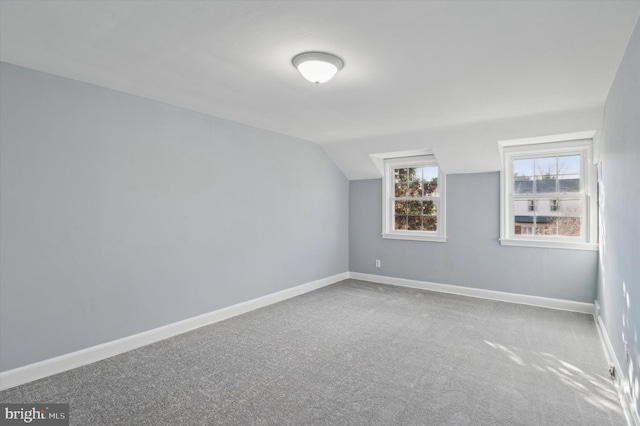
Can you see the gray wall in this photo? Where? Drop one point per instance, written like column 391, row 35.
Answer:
column 472, row 255
column 119, row 214
column 619, row 271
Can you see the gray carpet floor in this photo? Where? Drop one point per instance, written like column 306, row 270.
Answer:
column 354, row 353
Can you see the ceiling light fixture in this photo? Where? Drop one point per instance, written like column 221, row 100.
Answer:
column 317, row 67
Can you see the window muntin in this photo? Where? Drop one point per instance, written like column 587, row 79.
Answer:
column 549, row 196
column 413, row 199
column 547, row 183
column 539, row 175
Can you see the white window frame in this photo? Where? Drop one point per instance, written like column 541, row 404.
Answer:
column 587, row 194
column 388, row 196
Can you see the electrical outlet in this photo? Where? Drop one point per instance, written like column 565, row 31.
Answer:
column 377, row 263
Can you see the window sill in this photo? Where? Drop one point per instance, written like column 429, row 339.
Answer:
column 549, row 244
column 414, row 237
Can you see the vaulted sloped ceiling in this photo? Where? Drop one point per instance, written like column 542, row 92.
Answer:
column 451, row 76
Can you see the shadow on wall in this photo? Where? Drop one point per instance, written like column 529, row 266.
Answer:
column 601, row 229
column 596, row 390
column 631, row 386
column 633, row 360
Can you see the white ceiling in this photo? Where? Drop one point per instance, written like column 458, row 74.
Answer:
column 412, row 68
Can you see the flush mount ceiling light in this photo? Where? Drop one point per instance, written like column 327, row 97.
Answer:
column 317, row 67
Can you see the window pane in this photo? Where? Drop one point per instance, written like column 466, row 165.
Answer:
column 429, row 223
column 522, row 208
column 428, row 207
column 546, row 225
column 523, row 185
column 569, row 165
column 430, row 181
column 415, row 189
column 523, row 176
column 546, row 206
column 400, row 222
column 524, row 229
column 431, row 187
column 523, row 167
column 413, row 174
column 569, row 226
column 429, row 173
column 415, row 223
column 401, row 207
column 522, row 223
column 569, row 183
column 571, row 208
column 400, row 175
column 415, row 207
column 401, row 189
column 546, row 167
column 545, row 184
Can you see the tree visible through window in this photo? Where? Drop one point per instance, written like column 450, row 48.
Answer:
column 415, row 195
column 413, row 199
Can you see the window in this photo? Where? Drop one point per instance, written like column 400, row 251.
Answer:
column 548, row 195
column 413, row 207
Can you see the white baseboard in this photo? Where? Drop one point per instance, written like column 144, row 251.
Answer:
column 48, row 367
column 565, row 305
column 39, row 370
column 620, row 380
